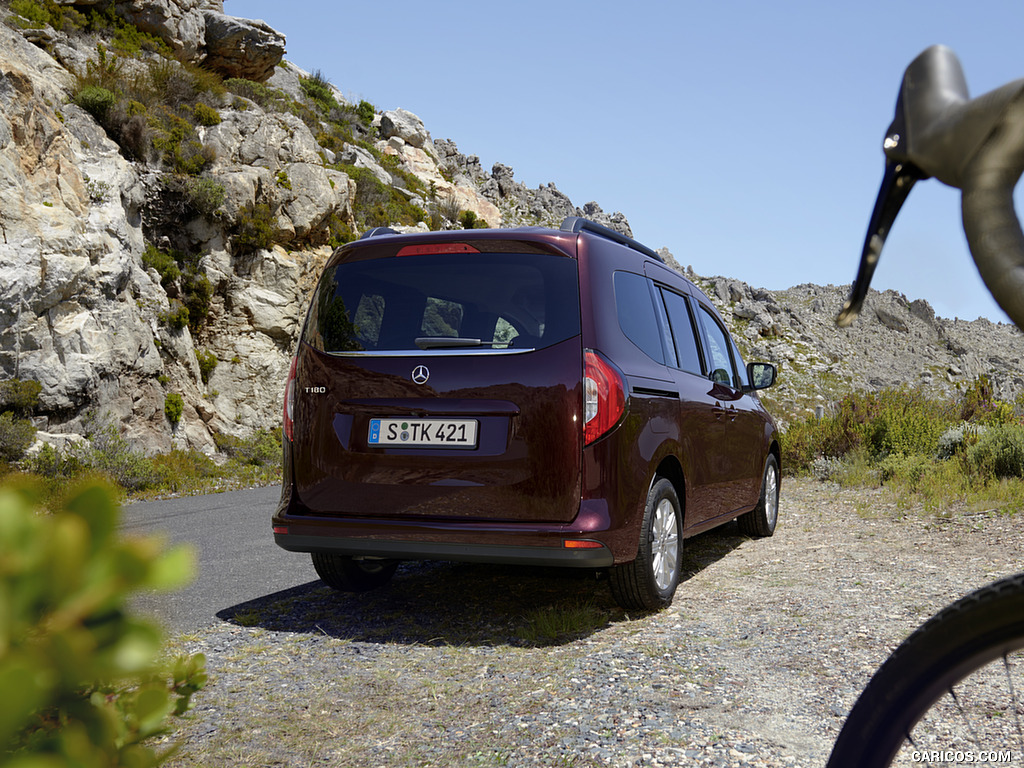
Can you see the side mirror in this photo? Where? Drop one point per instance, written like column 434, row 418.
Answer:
column 760, row 375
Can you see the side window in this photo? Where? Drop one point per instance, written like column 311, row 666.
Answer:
column 505, row 333
column 683, row 336
column 741, row 369
column 718, row 350
column 441, row 318
column 367, row 319
column 635, row 308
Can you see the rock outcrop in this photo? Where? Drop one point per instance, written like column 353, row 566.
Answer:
column 88, row 195
column 895, row 342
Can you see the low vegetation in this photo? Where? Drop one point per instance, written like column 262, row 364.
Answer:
column 17, row 400
column 108, row 455
column 967, row 453
column 186, row 284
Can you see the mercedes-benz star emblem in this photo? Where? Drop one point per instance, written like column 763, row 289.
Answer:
column 420, row 374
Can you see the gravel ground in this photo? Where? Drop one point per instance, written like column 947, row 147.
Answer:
column 756, row 663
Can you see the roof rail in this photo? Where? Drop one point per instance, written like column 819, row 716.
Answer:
column 377, row 231
column 579, row 224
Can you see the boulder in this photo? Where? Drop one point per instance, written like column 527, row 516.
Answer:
column 243, row 48
column 406, row 126
column 179, row 23
column 352, row 154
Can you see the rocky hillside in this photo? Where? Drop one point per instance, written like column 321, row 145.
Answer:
column 170, row 187
column 895, row 342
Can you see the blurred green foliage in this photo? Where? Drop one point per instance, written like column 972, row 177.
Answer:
column 82, row 682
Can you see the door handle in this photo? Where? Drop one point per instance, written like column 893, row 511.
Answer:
column 729, row 412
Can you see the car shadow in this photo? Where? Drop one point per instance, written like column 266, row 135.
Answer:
column 445, row 603
column 706, row 549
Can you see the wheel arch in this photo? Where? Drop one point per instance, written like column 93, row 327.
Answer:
column 672, row 470
column 775, row 450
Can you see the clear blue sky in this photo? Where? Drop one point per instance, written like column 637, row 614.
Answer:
column 743, row 136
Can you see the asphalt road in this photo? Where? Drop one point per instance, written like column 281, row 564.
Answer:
column 238, row 561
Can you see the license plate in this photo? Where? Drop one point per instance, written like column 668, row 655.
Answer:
column 434, row 433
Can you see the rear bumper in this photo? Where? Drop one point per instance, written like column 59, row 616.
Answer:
column 600, row 557
column 298, row 530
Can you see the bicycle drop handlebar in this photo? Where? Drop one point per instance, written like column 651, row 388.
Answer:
column 975, row 145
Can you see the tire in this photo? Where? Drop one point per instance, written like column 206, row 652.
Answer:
column 762, row 519
column 649, row 582
column 972, row 638
column 346, row 574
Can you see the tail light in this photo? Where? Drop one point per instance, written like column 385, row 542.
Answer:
column 428, row 248
column 604, row 398
column 289, row 400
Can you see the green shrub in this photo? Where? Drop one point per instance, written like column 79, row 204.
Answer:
column 905, row 422
column 377, row 204
column 97, row 101
column 177, row 316
column 179, row 145
column 999, row 452
column 891, row 422
column 131, row 41
column 909, row 468
column 206, row 115
column 338, row 232
column 181, row 277
column 51, row 463
column 174, row 406
column 18, row 399
column 365, row 111
column 262, row 449
column 255, row 229
column 32, row 14
column 979, row 404
column 207, row 362
column 318, row 88
column 270, row 99
column 832, row 436
column 184, row 471
column 16, row 436
column 105, row 71
column 80, row 680
column 164, row 263
column 197, row 293
column 112, row 455
column 19, row 396
column 204, row 196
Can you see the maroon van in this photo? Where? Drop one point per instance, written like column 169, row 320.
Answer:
column 527, row 396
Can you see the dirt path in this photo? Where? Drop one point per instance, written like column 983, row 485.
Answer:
column 756, row 663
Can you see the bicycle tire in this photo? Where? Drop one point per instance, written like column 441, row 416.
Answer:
column 959, row 640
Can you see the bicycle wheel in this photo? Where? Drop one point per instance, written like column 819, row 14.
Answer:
column 952, row 691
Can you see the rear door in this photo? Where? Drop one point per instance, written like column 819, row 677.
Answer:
column 703, row 428
column 442, row 380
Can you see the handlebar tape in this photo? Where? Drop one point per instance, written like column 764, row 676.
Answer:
column 990, row 221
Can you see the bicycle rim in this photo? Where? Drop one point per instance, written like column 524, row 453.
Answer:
column 952, row 691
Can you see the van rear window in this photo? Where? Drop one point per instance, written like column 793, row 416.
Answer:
column 445, row 301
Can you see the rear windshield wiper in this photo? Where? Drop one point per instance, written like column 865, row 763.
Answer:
column 448, row 342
